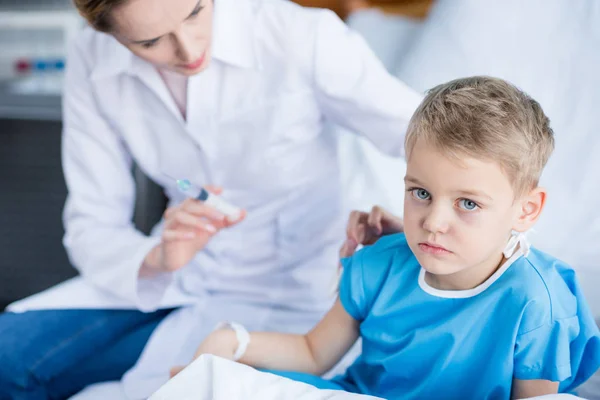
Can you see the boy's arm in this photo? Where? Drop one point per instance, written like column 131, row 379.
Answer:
column 522, row 389
column 314, row 353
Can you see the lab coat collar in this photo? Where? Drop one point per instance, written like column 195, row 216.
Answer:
column 112, row 58
column 234, row 33
column 233, row 42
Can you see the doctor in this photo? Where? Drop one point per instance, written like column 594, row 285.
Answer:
column 232, row 94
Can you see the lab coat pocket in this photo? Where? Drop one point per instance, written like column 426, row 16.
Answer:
column 261, row 145
column 297, row 148
column 312, row 216
column 294, row 121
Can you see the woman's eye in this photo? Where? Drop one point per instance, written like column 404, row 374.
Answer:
column 468, row 205
column 196, row 11
column 148, row 45
column 421, row 194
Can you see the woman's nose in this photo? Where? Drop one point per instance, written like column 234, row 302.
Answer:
column 185, row 48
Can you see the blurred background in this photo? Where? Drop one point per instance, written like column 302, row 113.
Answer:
column 549, row 48
column 33, row 39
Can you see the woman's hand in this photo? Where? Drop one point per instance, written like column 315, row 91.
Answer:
column 188, row 228
column 221, row 343
column 366, row 228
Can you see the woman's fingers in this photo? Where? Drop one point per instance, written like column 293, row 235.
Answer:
column 355, row 220
column 230, row 221
column 394, row 224
column 170, row 235
column 200, row 209
column 195, row 207
column 348, row 248
column 214, row 189
column 175, row 370
column 187, row 221
column 366, row 228
column 361, row 233
column 391, row 223
column 374, row 220
column 383, row 222
column 169, row 212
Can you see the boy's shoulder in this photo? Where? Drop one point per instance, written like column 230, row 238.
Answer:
column 544, row 289
column 389, row 256
column 369, row 272
column 388, row 247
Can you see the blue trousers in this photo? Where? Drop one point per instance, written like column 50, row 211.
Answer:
column 53, row 354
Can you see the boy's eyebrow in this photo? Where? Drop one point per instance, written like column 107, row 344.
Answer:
column 198, row 5
column 475, row 193
column 467, row 193
column 409, row 178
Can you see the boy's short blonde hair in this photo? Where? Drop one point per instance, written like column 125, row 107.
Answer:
column 487, row 119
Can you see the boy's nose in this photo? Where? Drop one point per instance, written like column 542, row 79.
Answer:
column 436, row 221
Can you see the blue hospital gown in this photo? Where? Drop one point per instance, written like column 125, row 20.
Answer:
column 528, row 321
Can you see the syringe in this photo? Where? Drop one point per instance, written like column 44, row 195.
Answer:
column 211, row 199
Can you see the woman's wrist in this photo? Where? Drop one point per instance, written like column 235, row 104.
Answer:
column 152, row 263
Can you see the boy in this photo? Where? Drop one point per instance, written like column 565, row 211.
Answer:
column 459, row 306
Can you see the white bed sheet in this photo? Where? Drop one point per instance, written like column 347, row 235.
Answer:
column 213, row 378
column 218, row 379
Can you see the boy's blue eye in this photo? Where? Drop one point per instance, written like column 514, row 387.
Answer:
column 468, row 205
column 421, row 194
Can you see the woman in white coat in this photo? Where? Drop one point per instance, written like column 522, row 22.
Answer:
column 233, row 94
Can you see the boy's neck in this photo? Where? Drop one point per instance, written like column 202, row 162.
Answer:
column 468, row 278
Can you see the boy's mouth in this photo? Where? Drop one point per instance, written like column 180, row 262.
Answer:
column 432, row 248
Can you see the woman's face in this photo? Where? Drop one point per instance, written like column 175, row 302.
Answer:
column 171, row 34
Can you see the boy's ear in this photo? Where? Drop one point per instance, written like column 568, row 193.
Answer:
column 530, row 209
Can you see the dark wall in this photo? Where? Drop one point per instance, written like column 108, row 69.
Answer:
column 32, row 196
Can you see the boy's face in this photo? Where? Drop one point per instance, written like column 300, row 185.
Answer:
column 458, row 216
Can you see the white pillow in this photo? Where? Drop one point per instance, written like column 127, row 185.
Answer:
column 550, row 49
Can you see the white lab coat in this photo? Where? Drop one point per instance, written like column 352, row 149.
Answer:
column 254, row 125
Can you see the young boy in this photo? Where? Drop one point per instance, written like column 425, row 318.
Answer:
column 459, row 306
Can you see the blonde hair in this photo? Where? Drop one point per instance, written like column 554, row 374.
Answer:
column 97, row 12
column 487, row 119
